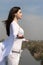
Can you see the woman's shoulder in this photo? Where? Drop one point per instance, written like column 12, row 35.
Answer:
column 13, row 24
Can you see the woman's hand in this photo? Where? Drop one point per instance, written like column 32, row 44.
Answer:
column 20, row 36
column 27, row 40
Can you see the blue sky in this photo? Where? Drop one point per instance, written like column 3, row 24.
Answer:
column 32, row 16
column 28, row 6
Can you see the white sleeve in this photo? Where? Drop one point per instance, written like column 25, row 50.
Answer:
column 15, row 29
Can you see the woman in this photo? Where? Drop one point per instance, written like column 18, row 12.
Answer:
column 12, row 45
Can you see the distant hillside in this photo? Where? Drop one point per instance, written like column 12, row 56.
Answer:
column 2, row 31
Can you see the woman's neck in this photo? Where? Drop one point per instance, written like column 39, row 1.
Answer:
column 16, row 20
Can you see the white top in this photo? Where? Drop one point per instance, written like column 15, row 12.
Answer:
column 7, row 43
column 15, row 29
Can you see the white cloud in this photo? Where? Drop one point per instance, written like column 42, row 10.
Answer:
column 33, row 26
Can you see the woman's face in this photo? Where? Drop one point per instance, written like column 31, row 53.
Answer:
column 18, row 14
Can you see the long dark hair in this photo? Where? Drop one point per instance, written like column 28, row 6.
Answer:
column 10, row 18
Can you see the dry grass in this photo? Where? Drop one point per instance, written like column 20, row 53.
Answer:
column 35, row 48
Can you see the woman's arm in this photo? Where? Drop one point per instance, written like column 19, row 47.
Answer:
column 15, row 29
column 22, row 37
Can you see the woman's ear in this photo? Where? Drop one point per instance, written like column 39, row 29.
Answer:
column 15, row 14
